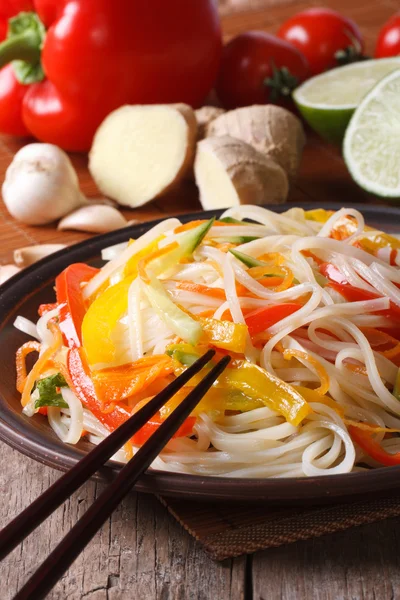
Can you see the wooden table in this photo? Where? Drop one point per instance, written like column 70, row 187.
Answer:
column 142, row 553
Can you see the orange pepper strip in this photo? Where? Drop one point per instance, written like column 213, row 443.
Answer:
column 21, row 355
column 322, row 374
column 118, row 383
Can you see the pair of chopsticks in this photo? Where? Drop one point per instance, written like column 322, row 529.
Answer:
column 79, row 536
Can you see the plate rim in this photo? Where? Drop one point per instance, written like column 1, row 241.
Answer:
column 325, row 487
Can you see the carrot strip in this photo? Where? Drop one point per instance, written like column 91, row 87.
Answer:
column 322, row 373
column 21, row 355
column 40, row 364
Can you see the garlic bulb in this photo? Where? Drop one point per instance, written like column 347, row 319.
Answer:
column 41, row 185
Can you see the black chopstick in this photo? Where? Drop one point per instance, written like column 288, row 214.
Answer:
column 68, row 549
column 54, row 496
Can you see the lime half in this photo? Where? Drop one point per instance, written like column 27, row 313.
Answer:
column 372, row 142
column 328, row 101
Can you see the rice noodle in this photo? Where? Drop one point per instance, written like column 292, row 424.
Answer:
column 326, row 329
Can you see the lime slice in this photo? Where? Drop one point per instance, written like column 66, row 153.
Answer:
column 328, row 101
column 372, row 142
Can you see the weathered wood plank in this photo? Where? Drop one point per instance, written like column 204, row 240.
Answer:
column 360, row 564
column 140, row 553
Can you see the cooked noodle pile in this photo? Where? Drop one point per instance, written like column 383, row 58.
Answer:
column 306, row 303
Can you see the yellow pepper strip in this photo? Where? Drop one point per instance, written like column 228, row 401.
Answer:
column 131, row 267
column 313, row 396
column 104, row 313
column 318, row 214
column 224, row 334
column 216, row 401
column 257, row 384
column 115, row 384
column 40, row 365
column 322, row 373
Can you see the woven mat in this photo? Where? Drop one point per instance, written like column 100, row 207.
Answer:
column 229, row 531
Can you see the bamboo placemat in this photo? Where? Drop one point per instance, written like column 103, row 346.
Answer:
column 227, row 531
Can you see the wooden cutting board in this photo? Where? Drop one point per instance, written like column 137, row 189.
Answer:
column 323, row 175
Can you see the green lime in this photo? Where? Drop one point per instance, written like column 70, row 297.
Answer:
column 328, row 101
column 371, row 146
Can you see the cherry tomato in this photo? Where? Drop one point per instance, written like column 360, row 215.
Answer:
column 326, row 38
column 388, row 43
column 258, row 68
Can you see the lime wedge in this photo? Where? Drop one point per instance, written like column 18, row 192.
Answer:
column 328, row 101
column 372, row 142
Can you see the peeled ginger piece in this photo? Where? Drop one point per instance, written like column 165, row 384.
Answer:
column 230, row 172
column 140, row 152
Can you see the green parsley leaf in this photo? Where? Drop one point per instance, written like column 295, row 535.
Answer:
column 48, row 391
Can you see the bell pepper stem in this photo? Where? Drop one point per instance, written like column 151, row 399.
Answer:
column 20, row 47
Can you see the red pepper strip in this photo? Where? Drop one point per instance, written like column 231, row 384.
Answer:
column 262, row 318
column 151, row 426
column 355, row 294
column 44, row 308
column 366, row 442
column 82, row 386
column 69, row 295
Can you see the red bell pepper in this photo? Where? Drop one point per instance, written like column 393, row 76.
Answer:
column 72, row 306
column 338, row 282
column 367, row 443
column 77, row 60
column 262, row 318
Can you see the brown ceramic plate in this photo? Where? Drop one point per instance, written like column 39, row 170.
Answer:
column 32, row 436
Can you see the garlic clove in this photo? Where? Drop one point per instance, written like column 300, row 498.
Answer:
column 7, row 271
column 98, row 218
column 24, row 257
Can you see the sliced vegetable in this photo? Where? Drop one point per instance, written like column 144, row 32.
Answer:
column 247, row 260
column 259, row 385
column 104, row 313
column 49, row 394
column 69, row 298
column 225, row 335
column 372, row 448
column 263, row 318
column 232, row 221
column 354, row 294
column 187, row 244
column 119, row 383
column 151, row 426
column 174, row 317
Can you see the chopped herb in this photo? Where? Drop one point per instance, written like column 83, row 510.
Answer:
column 49, row 394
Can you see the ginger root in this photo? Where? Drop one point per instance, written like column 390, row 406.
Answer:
column 270, row 129
column 141, row 152
column 230, row 172
column 205, row 116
